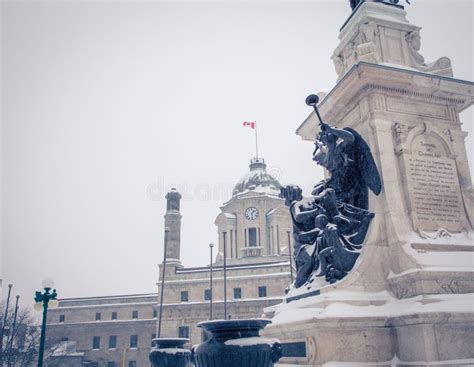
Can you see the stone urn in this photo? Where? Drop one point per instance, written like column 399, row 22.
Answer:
column 236, row 343
column 170, row 352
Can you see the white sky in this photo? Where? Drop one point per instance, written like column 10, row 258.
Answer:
column 105, row 105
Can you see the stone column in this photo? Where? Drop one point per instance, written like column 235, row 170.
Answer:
column 173, row 222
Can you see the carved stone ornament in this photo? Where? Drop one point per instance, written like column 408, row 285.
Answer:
column 400, row 131
column 363, row 47
column 442, row 66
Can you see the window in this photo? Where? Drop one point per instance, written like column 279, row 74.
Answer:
column 114, row 315
column 155, row 313
column 133, row 341
column 112, row 342
column 111, row 364
column 132, row 364
column 262, row 291
column 64, row 339
column 183, row 332
column 62, row 318
column 207, row 294
column 184, row 296
column 134, row 314
column 98, row 316
column 96, row 342
column 94, row 364
column 237, row 293
column 153, row 336
column 252, row 237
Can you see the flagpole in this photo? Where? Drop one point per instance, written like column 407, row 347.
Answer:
column 256, row 141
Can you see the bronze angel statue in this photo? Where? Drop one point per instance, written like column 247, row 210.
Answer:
column 329, row 227
column 355, row 3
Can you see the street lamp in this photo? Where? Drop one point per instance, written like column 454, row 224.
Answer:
column 225, row 275
column 43, row 300
column 4, row 322
column 167, row 231
column 291, row 256
column 12, row 333
column 211, row 245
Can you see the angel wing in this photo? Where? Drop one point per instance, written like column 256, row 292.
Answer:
column 365, row 164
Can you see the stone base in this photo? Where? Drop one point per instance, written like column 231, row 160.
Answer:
column 421, row 282
column 343, row 334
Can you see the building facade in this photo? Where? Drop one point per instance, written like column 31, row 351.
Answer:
column 253, row 229
column 109, row 331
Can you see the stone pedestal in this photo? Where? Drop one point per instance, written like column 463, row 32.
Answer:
column 410, row 296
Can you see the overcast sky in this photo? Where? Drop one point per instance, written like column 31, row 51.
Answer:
column 106, row 105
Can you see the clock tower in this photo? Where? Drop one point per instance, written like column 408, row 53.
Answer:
column 254, row 224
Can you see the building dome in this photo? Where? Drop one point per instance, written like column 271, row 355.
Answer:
column 257, row 180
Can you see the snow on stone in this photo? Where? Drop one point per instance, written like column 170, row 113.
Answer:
column 268, row 190
column 336, row 305
column 455, row 257
column 459, row 239
column 236, row 267
column 399, row 66
column 470, row 269
column 398, row 362
column 174, row 351
column 257, row 180
column 242, row 342
column 66, row 348
column 313, row 284
column 395, row 362
column 430, row 258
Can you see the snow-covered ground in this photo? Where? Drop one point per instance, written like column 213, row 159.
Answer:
column 383, row 305
column 395, row 362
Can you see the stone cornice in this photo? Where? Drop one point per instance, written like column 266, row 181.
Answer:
column 367, row 78
column 412, row 93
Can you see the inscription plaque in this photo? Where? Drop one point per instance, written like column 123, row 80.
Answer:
column 433, row 186
column 295, row 349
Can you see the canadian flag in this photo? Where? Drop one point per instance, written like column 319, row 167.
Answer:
column 250, row 123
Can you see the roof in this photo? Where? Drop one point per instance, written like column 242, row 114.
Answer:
column 257, row 180
column 284, row 262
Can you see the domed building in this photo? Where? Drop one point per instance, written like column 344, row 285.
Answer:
column 254, row 224
column 257, row 180
column 253, row 228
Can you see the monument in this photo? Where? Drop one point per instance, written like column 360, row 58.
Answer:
column 384, row 245
column 330, row 226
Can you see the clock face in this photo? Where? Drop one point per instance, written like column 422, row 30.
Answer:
column 251, row 213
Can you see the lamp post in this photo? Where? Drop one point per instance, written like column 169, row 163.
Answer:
column 225, row 275
column 2, row 332
column 167, row 231
column 291, row 256
column 211, row 246
column 43, row 300
column 12, row 333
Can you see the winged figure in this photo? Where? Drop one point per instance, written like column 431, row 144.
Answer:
column 347, row 157
column 330, row 226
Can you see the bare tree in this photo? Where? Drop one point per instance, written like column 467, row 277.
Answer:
column 21, row 339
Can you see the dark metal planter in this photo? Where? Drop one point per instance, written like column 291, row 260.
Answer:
column 170, row 352
column 236, row 343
